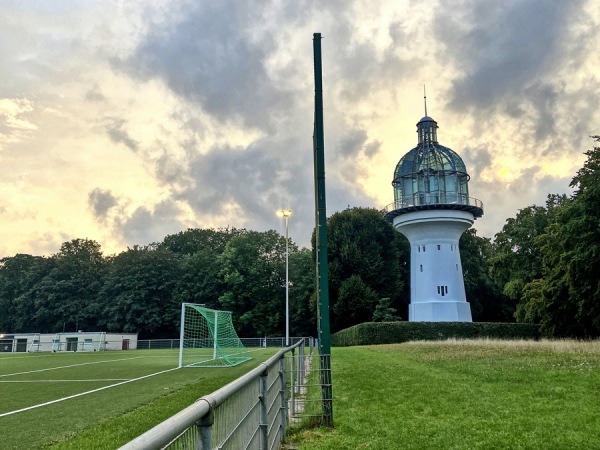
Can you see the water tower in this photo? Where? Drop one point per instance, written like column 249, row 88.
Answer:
column 432, row 208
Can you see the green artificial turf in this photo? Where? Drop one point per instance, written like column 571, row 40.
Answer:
column 463, row 395
column 106, row 419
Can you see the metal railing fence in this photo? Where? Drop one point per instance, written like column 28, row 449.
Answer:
column 435, row 198
column 252, row 412
column 156, row 344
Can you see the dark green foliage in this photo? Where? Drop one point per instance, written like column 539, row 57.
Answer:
column 253, row 273
column 52, row 294
column 361, row 244
column 565, row 299
column 384, row 312
column 355, row 302
column 303, row 318
column 19, row 277
column 74, row 284
column 141, row 290
column 137, row 294
column 199, row 250
column 195, row 240
column 517, row 258
column 372, row 333
column 488, row 304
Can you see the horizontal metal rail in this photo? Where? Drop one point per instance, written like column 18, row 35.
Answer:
column 433, row 199
column 265, row 384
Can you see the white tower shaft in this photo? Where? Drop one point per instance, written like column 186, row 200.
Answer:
column 437, row 287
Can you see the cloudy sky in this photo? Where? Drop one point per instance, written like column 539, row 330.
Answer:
column 125, row 121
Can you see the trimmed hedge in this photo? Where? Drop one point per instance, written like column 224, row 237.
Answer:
column 373, row 333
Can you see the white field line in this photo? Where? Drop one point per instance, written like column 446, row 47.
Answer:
column 72, row 365
column 62, row 381
column 84, row 393
column 54, row 355
column 197, row 364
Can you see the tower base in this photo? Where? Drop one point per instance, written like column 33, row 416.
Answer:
column 439, row 312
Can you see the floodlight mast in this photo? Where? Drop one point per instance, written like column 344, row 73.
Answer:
column 286, row 213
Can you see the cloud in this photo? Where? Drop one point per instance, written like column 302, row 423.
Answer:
column 101, row 202
column 214, row 100
column 117, row 134
column 148, row 225
column 505, row 48
column 94, row 95
column 209, row 57
column 477, row 160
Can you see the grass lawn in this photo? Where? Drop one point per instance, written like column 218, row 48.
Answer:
column 106, row 419
column 463, row 395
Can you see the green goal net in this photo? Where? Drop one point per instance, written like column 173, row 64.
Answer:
column 208, row 339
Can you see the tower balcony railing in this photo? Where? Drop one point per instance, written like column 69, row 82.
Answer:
column 434, row 200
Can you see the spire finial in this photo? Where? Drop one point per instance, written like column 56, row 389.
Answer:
column 425, row 99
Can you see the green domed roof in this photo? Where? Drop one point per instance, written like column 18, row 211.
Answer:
column 432, row 176
column 435, row 157
column 428, row 155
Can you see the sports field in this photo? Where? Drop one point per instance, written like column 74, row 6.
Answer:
column 98, row 399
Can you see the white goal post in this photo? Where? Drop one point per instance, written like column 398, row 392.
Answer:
column 208, row 339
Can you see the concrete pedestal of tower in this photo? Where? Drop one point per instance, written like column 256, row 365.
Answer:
column 437, row 287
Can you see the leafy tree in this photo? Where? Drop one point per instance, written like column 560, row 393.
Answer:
column 200, row 265
column 488, row 304
column 303, row 318
column 67, row 296
column 516, row 257
column 567, row 300
column 200, row 280
column 18, row 276
column 195, row 240
column 384, row 311
column 137, row 294
column 361, row 243
column 355, row 303
column 532, row 304
column 253, row 272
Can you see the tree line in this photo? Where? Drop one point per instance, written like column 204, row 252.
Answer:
column 540, row 268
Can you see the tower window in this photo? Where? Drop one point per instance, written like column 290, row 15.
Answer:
column 421, row 266
column 457, row 267
column 419, row 247
column 439, row 247
column 442, row 290
column 423, row 248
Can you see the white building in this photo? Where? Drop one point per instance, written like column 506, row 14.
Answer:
column 81, row 341
column 432, row 208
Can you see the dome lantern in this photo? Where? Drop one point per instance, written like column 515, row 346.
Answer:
column 431, row 175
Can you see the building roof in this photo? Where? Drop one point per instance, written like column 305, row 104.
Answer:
column 428, row 155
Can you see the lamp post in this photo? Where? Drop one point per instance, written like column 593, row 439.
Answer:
column 286, row 213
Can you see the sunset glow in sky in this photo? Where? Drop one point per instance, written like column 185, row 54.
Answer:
column 125, row 121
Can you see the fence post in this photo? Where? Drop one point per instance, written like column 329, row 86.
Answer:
column 204, row 426
column 283, row 396
column 301, row 362
column 292, row 382
column 264, row 417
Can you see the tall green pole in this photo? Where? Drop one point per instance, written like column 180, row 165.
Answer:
column 321, row 239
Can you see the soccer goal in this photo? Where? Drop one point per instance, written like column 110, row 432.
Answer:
column 208, row 339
